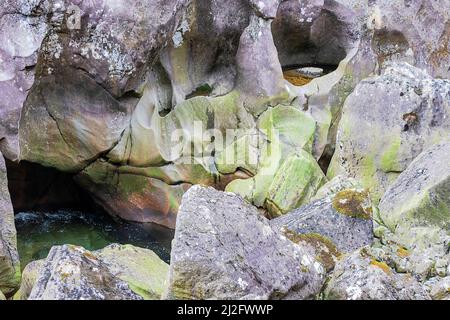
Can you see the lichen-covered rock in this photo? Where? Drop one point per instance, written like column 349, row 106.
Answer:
column 345, row 219
column 224, row 249
column 285, row 175
column 413, row 31
column 420, row 196
column 422, row 252
column 73, row 273
column 145, row 273
column 294, row 184
column 9, row 258
column 409, row 112
column 29, row 277
column 416, row 210
column 359, row 276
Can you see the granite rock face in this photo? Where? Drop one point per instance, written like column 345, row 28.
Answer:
column 224, row 249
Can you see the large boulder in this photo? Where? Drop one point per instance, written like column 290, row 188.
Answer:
column 416, row 211
column 388, row 121
column 344, row 219
column 113, row 273
column 420, row 196
column 359, row 276
column 224, row 249
column 73, row 273
column 9, row 258
column 145, row 273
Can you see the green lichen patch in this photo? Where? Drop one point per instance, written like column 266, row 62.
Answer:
column 327, row 252
column 353, row 203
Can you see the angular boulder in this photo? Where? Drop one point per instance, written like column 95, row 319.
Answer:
column 344, row 219
column 141, row 269
column 224, row 249
column 145, row 273
column 360, row 277
column 73, row 273
column 416, row 211
column 388, row 121
column 9, row 257
column 420, row 196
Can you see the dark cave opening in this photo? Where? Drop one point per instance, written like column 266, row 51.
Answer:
column 51, row 209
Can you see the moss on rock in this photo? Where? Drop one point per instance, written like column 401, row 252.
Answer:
column 353, row 203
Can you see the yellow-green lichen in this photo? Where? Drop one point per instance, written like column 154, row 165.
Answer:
column 353, row 203
column 383, row 266
column 403, row 253
column 327, row 252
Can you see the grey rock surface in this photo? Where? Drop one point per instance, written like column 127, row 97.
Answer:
column 388, row 121
column 9, row 258
column 344, row 218
column 73, row 273
column 224, row 249
column 359, row 277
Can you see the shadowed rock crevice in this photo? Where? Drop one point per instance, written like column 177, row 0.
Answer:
column 36, row 188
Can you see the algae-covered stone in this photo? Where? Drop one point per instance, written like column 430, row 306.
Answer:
column 359, row 276
column 29, row 277
column 9, row 258
column 287, row 175
column 416, row 210
column 388, row 121
column 345, row 219
column 145, row 273
column 224, row 249
column 294, row 184
column 73, row 273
